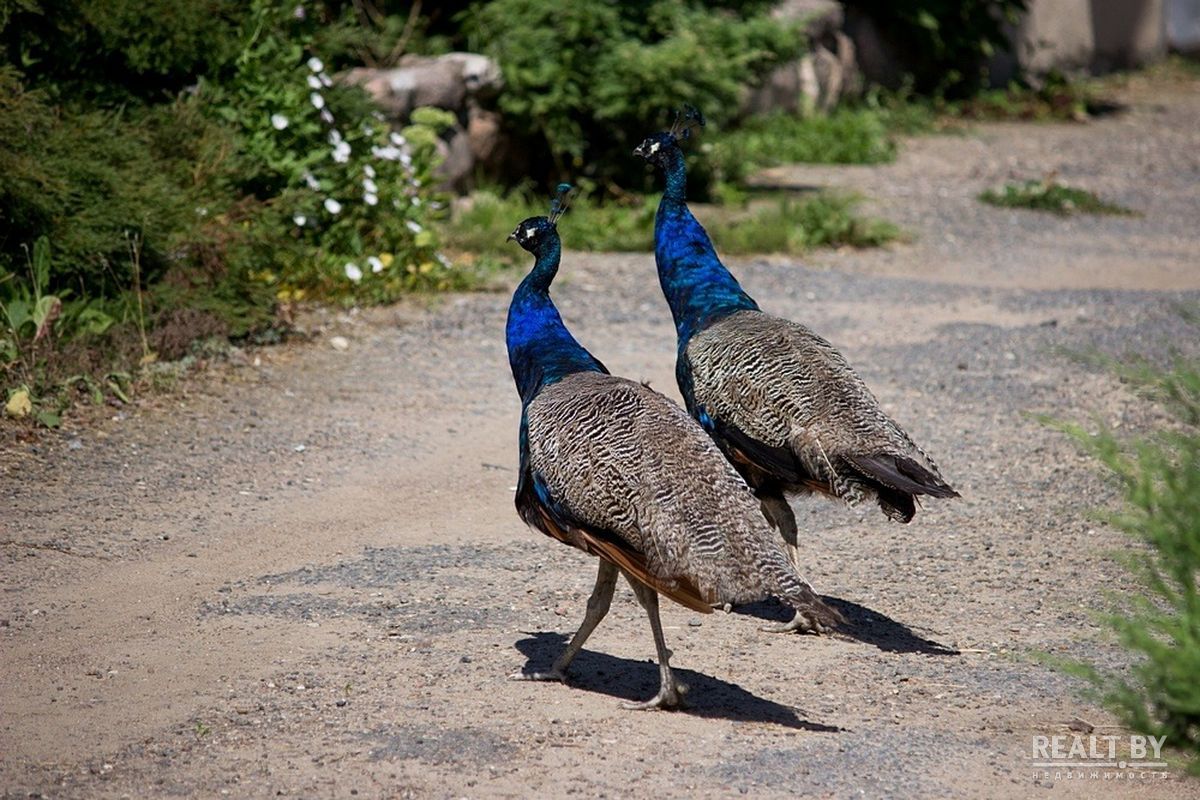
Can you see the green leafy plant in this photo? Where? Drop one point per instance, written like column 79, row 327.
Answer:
column 945, row 44
column 586, row 82
column 1159, row 478
column 782, row 224
column 796, row 225
column 1049, row 195
column 352, row 198
column 846, row 136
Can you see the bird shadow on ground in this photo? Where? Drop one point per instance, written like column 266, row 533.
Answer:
column 862, row 624
column 636, row 681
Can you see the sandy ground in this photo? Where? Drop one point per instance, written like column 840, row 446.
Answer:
column 303, row 575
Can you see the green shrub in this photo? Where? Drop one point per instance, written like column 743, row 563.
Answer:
column 1160, row 480
column 587, row 81
column 945, row 43
column 114, row 51
column 178, row 216
column 349, row 201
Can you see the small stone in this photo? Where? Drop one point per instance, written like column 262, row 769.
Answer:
column 340, row 343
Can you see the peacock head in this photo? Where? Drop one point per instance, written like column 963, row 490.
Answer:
column 656, row 148
column 535, row 232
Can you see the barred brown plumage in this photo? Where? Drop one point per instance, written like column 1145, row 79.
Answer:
column 623, row 459
column 783, row 405
column 614, row 468
column 794, row 408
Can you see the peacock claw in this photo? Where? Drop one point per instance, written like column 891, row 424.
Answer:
column 668, row 697
column 800, row 623
column 552, row 675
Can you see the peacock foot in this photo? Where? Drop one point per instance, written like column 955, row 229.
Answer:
column 551, row 675
column 801, row 623
column 668, row 697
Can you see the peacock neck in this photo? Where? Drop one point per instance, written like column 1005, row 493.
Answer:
column 541, row 350
column 698, row 287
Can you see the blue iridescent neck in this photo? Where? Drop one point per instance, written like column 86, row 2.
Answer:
column 541, row 350
column 698, row 287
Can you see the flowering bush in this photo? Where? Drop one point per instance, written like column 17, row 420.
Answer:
column 354, row 197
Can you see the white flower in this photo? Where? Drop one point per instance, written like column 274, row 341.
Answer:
column 413, row 226
column 445, row 262
column 313, row 82
column 299, row 219
column 325, row 80
column 416, row 201
column 311, row 181
column 369, row 186
column 388, row 153
column 405, row 159
column 279, row 121
column 335, row 137
column 397, row 139
column 299, row 13
column 326, row 117
column 333, row 206
column 315, row 64
column 375, row 263
column 353, row 272
column 369, row 171
column 317, row 101
column 341, row 153
column 370, row 199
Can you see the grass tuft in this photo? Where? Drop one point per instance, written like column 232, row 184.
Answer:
column 775, row 224
column 1049, row 195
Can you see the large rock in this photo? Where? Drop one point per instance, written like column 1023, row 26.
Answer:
column 455, row 82
column 823, row 76
column 446, row 81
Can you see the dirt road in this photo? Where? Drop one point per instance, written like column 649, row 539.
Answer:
column 304, row 576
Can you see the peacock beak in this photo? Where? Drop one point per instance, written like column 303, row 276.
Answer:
column 512, row 237
column 640, row 150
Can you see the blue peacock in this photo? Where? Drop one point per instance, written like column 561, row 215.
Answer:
column 782, row 403
column 615, row 469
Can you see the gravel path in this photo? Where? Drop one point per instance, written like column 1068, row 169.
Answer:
column 303, row 576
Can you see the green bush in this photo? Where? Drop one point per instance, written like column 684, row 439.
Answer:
column 1160, row 480
column 586, row 82
column 945, row 43
column 174, row 215
column 116, row 51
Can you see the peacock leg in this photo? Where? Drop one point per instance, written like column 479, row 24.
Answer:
column 800, row 622
column 597, row 607
column 778, row 512
column 670, row 692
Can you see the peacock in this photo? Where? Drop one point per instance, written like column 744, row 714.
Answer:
column 615, row 469
column 782, row 403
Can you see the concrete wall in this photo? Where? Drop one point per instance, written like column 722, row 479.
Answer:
column 1183, row 26
column 1090, row 35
